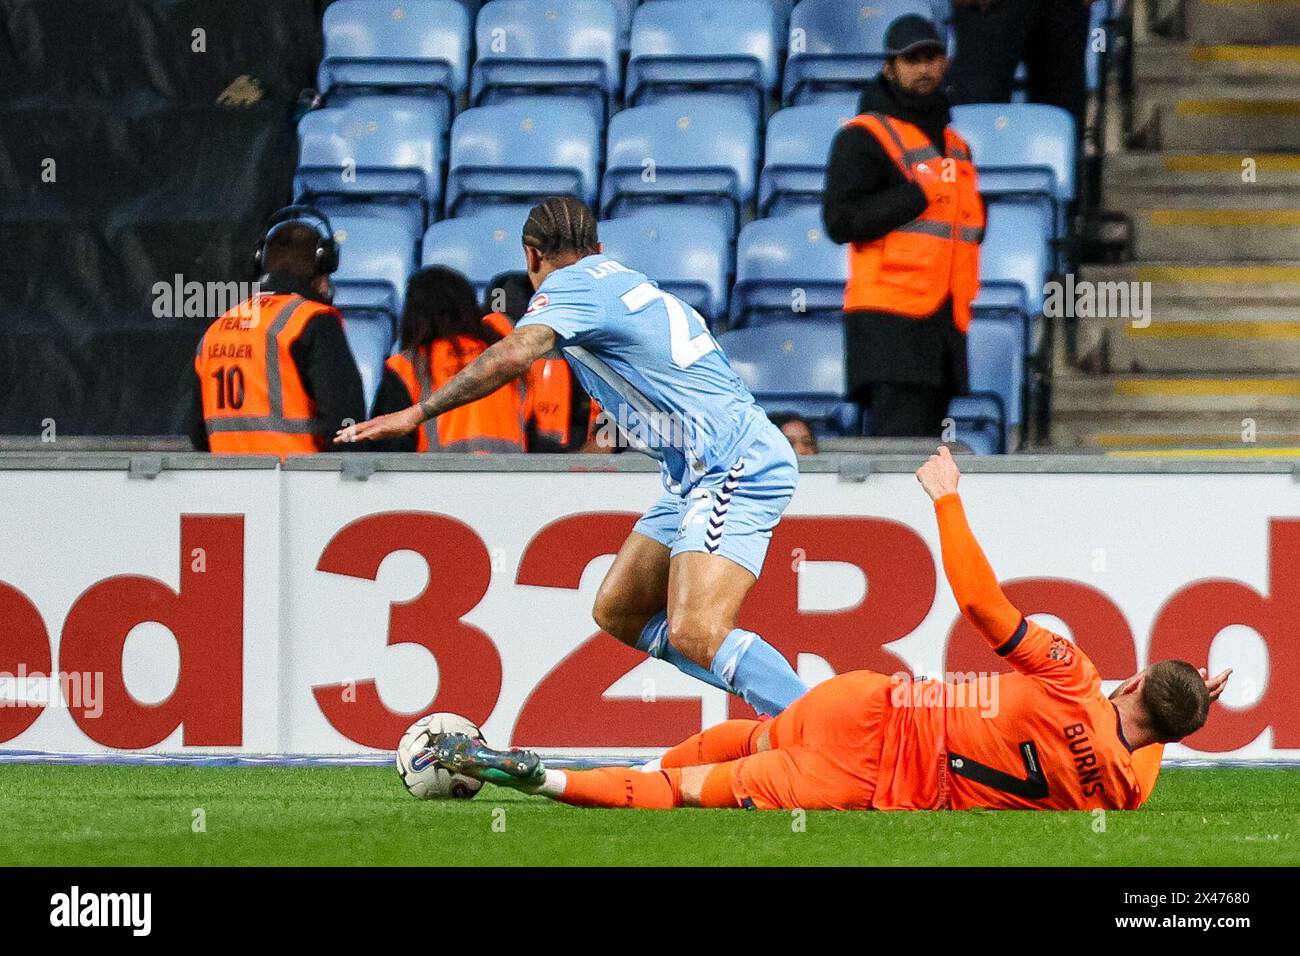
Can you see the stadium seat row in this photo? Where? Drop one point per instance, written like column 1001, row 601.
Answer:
column 578, row 46
column 388, row 152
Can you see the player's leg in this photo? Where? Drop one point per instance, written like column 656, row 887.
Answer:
column 705, row 592
column 799, row 777
column 720, row 743
column 615, row 787
column 840, row 712
column 631, row 601
column 716, row 559
column 604, row 787
column 634, row 590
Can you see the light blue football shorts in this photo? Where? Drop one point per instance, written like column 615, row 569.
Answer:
column 730, row 511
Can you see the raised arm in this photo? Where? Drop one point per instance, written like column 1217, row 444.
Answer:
column 500, row 363
column 1026, row 646
column 973, row 583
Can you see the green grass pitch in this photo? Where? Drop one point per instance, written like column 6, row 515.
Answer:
column 131, row 815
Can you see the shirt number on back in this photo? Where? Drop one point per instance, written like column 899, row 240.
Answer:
column 1033, row 786
column 686, row 350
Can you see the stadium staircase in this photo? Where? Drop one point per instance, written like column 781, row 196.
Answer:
column 1214, row 83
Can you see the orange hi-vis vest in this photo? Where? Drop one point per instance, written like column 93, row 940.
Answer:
column 548, row 391
column 548, row 400
column 254, row 402
column 490, row 424
column 911, row 270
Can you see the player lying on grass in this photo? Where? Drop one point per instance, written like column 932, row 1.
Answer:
column 863, row 740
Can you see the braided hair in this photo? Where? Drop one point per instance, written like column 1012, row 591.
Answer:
column 561, row 225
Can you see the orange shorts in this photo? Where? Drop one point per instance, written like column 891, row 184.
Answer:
column 825, row 749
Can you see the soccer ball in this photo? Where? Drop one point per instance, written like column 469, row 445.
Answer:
column 422, row 777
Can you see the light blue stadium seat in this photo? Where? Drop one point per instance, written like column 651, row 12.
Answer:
column 522, row 151
column 685, row 252
column 996, row 360
column 787, row 268
column 839, row 44
column 369, row 288
column 794, row 366
column 539, row 46
column 1015, row 262
column 798, row 145
column 1024, row 152
column 390, row 45
column 715, row 45
column 383, row 150
column 698, row 149
column 480, row 246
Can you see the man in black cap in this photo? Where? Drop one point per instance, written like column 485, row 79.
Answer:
column 902, row 191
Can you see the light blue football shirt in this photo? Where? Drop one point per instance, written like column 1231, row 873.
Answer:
column 650, row 361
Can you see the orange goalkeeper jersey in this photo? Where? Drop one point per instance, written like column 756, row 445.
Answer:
column 1044, row 737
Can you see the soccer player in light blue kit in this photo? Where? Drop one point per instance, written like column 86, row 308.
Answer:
column 677, row 584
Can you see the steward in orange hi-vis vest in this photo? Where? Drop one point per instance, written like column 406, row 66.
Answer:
column 902, row 193
column 913, row 269
column 275, row 374
column 491, row 424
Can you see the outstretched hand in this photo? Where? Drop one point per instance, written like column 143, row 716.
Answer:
column 1215, row 684
column 393, row 425
column 939, row 475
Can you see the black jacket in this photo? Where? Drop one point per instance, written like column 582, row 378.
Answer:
column 867, row 195
column 325, row 365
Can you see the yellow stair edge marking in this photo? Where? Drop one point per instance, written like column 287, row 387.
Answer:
column 1232, row 53
column 1208, row 453
column 1251, row 218
column 1231, row 162
column 1251, row 3
column 1216, row 330
column 1239, row 108
column 1122, row 440
column 1207, row 386
column 1218, row 274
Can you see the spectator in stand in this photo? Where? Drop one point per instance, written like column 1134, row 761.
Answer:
column 1049, row 36
column 275, row 375
column 901, row 190
column 444, row 330
column 796, row 428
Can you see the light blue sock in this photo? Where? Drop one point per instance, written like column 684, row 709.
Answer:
column 654, row 641
column 756, row 671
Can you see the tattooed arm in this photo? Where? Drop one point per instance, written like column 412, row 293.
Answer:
column 499, row 364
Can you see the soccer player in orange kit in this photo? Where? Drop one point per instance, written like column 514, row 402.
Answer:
column 1044, row 738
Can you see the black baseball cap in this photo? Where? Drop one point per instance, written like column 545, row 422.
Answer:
column 912, row 32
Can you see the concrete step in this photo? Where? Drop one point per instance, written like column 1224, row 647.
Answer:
column 1205, row 206
column 1239, row 413
column 1246, row 339
column 1205, row 234
column 1183, row 436
column 1243, row 179
column 1242, row 21
column 1212, row 284
column 1178, row 395
column 1217, row 97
